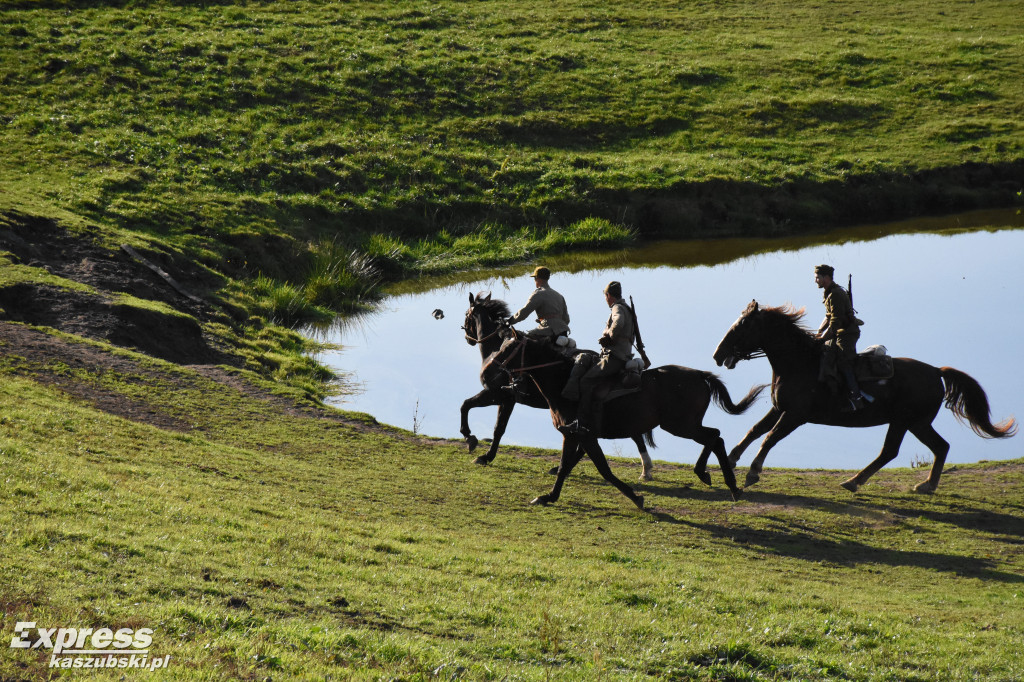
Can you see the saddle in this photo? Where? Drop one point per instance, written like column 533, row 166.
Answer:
column 626, row 382
column 874, row 364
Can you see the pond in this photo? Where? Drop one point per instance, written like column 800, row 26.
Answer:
column 947, row 291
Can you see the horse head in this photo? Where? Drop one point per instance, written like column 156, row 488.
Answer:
column 742, row 340
column 484, row 318
column 760, row 327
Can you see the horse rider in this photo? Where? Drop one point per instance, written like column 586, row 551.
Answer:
column 552, row 313
column 840, row 331
column 616, row 349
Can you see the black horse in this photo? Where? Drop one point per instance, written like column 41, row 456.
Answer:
column 672, row 397
column 908, row 401
column 481, row 329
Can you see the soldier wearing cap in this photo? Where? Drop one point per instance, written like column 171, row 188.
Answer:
column 616, row 349
column 840, row 331
column 552, row 313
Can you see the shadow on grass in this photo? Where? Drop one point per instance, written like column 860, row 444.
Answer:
column 809, row 543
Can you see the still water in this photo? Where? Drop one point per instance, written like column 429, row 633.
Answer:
column 947, row 291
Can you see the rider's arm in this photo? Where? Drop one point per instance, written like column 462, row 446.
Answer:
column 524, row 312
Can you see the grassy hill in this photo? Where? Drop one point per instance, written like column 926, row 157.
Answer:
column 166, row 463
column 261, row 541
column 284, row 159
column 220, row 126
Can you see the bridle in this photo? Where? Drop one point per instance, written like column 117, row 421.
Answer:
column 748, row 355
column 473, row 315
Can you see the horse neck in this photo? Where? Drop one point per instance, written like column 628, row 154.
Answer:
column 791, row 352
column 489, row 346
column 549, row 380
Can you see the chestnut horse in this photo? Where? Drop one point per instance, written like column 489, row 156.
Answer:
column 481, row 328
column 672, row 397
column 908, row 401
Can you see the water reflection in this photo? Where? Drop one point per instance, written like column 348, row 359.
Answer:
column 951, row 296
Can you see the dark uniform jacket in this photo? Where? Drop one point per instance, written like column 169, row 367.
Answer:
column 839, row 316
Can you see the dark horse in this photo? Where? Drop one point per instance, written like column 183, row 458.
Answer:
column 908, row 401
column 481, row 328
column 672, row 397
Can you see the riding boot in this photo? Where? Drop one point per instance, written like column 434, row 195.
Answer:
column 856, row 399
column 581, row 425
column 572, row 387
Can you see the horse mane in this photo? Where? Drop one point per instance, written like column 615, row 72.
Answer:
column 494, row 307
column 788, row 315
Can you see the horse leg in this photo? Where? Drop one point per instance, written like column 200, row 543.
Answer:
column 786, row 425
column 759, row 429
column 723, row 461
column 572, row 453
column 645, row 473
column 927, row 434
column 891, row 446
column 484, row 398
column 505, row 408
column 712, row 441
column 553, row 471
column 701, row 467
column 599, row 460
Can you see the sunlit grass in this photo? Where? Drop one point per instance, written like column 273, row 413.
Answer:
column 261, row 544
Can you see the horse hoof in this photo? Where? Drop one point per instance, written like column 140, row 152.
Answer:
column 925, row 487
column 851, row 485
column 483, row 460
column 752, row 479
column 639, row 501
column 646, row 476
column 737, row 493
column 543, row 500
column 472, row 442
column 704, row 477
column 553, row 471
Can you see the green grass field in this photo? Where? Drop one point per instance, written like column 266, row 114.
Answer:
column 262, row 543
column 286, row 160
column 211, row 127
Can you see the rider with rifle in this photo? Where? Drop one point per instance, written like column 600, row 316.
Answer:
column 616, row 348
column 840, row 331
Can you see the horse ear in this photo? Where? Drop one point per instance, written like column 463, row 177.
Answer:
column 488, row 297
column 471, row 301
column 752, row 307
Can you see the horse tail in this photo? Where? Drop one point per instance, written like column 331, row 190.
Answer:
column 649, row 439
column 720, row 394
column 967, row 400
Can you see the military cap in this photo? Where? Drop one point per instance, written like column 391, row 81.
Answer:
column 541, row 272
column 826, row 270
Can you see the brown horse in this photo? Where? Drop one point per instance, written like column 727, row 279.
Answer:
column 908, row 401
column 481, row 327
column 672, row 397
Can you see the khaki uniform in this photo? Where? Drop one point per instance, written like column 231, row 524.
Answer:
column 552, row 312
column 842, row 329
column 617, row 344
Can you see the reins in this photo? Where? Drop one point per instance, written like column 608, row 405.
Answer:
column 520, row 349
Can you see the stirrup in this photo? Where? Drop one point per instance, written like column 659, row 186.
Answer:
column 572, row 428
column 855, row 403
